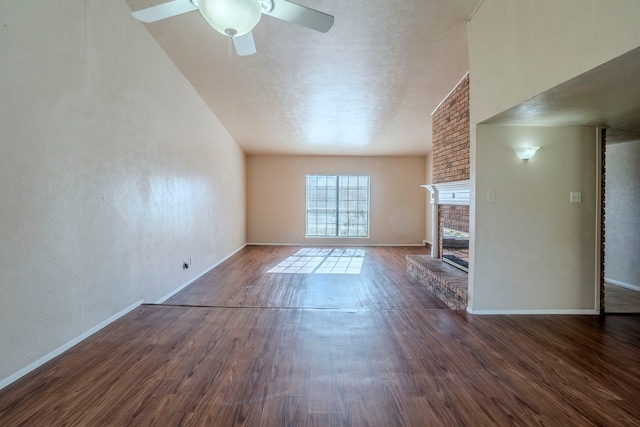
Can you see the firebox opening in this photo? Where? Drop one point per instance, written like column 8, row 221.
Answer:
column 455, row 248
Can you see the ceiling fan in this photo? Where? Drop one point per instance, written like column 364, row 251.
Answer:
column 236, row 18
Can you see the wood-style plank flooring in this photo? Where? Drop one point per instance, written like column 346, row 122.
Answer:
column 243, row 281
column 387, row 356
column 621, row 300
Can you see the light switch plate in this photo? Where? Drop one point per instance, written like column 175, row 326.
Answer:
column 491, row 196
column 575, row 197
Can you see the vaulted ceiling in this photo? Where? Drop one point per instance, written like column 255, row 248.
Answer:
column 366, row 87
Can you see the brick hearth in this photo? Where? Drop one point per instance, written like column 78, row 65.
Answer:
column 447, row 282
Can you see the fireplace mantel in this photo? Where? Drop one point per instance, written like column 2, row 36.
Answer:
column 450, row 193
column 446, row 193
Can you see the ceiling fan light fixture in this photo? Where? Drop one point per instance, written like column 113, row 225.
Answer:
column 231, row 17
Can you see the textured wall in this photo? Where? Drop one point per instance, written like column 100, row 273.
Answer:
column 622, row 251
column 276, row 197
column 519, row 49
column 112, row 171
column 451, row 136
column 427, row 213
column 534, row 249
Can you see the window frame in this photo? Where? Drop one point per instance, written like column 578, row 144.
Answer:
column 337, row 201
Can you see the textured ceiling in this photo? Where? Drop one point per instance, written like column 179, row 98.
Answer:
column 367, row 87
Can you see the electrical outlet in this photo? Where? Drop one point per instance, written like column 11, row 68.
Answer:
column 575, row 197
column 186, row 264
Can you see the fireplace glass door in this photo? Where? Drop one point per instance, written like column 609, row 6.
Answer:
column 455, row 248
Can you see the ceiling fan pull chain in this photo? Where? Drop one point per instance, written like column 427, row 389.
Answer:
column 230, row 32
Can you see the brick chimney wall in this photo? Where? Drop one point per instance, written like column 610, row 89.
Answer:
column 451, row 153
column 451, row 136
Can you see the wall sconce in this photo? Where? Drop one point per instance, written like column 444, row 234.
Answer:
column 526, row 153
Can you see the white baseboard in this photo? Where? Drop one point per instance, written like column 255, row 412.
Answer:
column 339, row 245
column 622, row 284
column 587, row 311
column 175, row 291
column 44, row 359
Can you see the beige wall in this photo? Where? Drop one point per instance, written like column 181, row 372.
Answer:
column 622, row 218
column 112, row 171
column 520, row 48
column 428, row 235
column 276, row 197
column 533, row 249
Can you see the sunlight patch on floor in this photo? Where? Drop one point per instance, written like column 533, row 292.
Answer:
column 322, row 261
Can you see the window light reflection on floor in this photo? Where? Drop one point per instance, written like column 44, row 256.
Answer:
column 322, row 261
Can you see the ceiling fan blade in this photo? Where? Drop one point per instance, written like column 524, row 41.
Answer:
column 301, row 15
column 244, row 44
column 164, row 10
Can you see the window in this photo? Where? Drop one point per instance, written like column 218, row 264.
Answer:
column 337, row 206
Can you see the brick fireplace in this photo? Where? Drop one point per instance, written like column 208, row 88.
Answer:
column 450, row 208
column 449, row 196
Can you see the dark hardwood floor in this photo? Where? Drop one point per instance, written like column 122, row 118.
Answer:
column 243, row 281
column 246, row 347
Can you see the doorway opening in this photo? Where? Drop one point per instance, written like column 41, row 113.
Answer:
column 620, row 227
